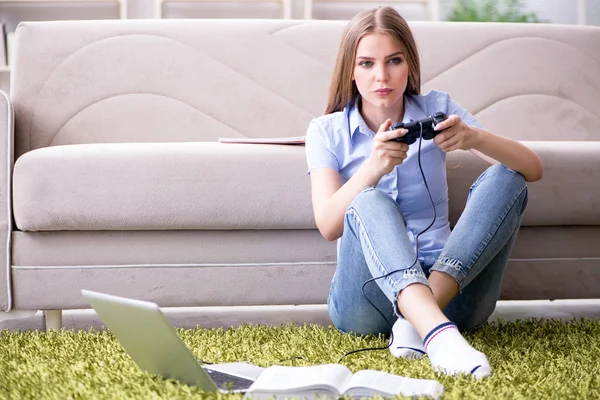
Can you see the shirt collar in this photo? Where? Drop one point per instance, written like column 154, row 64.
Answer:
column 357, row 124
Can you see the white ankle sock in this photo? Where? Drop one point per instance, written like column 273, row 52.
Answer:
column 451, row 354
column 406, row 341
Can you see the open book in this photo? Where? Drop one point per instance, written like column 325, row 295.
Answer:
column 281, row 140
column 335, row 380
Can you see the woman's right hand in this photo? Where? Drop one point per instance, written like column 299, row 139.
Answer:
column 387, row 153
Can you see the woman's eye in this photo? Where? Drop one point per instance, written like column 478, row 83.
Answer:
column 395, row 60
column 365, row 63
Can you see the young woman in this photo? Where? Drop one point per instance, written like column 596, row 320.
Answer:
column 368, row 193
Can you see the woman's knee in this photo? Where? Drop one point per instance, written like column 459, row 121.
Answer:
column 504, row 183
column 368, row 197
column 371, row 201
column 501, row 174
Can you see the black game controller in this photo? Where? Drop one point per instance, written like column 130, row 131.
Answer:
column 414, row 128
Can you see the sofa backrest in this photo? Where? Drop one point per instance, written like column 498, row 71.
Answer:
column 198, row 80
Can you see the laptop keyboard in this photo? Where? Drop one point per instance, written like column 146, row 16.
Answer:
column 228, row 382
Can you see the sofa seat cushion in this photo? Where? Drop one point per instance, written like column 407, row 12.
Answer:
column 162, row 186
column 213, row 186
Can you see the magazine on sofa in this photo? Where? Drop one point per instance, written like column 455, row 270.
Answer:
column 281, row 140
column 335, row 380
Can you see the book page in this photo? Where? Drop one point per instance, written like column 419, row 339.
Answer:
column 369, row 383
column 327, row 378
column 249, row 140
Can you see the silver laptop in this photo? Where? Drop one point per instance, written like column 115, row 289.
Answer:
column 153, row 344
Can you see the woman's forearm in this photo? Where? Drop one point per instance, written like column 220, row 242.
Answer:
column 330, row 218
column 511, row 153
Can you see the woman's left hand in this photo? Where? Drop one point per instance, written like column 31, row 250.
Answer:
column 456, row 135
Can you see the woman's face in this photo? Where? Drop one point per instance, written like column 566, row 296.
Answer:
column 380, row 71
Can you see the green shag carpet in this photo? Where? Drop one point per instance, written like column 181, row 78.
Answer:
column 533, row 359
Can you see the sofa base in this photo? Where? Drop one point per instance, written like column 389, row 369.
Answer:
column 39, row 288
column 256, row 267
column 551, row 279
column 48, row 288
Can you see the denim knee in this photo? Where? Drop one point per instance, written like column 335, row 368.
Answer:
column 500, row 173
column 504, row 180
column 368, row 197
column 371, row 202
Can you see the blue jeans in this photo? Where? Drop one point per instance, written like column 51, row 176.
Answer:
column 375, row 242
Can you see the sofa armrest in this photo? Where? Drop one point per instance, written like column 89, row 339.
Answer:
column 566, row 195
column 6, row 165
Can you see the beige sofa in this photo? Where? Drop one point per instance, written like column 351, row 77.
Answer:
column 119, row 184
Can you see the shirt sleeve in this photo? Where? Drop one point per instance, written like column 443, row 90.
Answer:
column 319, row 153
column 454, row 108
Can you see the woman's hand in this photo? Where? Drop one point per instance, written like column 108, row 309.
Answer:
column 387, row 153
column 457, row 135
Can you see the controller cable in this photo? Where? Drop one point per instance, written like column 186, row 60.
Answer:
column 400, row 269
column 389, row 273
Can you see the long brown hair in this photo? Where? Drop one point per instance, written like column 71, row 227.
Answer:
column 378, row 20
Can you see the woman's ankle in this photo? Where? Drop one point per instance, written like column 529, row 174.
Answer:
column 419, row 307
column 444, row 287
